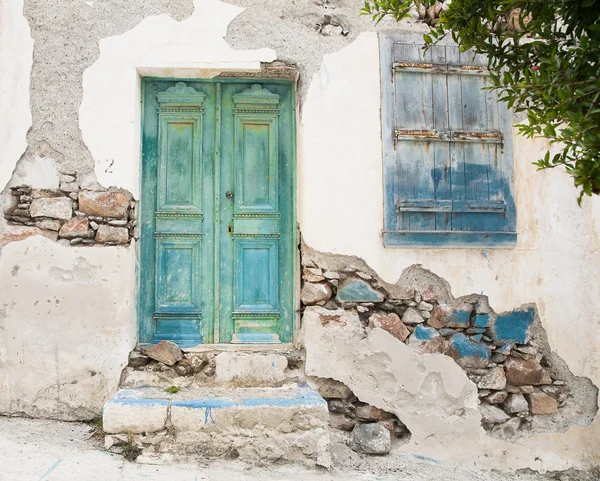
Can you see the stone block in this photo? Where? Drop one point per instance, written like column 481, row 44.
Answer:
column 341, row 422
column 514, row 326
column 354, row 289
column 541, row 403
column 166, row 352
column 250, row 369
column 332, row 389
column 444, row 316
column 371, row 439
column 497, row 397
column 55, row 208
column 391, row 323
column 134, row 415
column 108, row 234
column 492, row 414
column 313, row 293
column 516, row 403
column 427, row 340
column 468, row 353
column 521, row 372
column 412, row 316
column 48, row 224
column 75, row 227
column 366, row 412
column 113, row 203
column 494, row 379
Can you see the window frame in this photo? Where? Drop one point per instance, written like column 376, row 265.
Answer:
column 393, row 237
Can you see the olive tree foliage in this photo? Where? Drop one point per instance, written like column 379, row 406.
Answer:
column 544, row 59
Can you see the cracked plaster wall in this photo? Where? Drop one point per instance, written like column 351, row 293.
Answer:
column 87, row 59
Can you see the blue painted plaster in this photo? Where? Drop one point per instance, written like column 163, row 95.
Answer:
column 467, row 348
column 310, row 398
column 204, row 403
column 514, row 326
column 505, row 348
column 459, row 318
column 357, row 290
column 482, row 320
column 423, row 333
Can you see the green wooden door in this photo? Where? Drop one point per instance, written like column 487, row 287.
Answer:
column 217, row 242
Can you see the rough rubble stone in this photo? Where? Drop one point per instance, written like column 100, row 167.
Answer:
column 55, row 208
column 513, row 326
column 494, row 379
column 166, row 352
column 137, row 359
column 492, row 414
column 516, row 403
column 371, row 439
column 341, row 422
column 353, row 289
column 113, row 203
column 521, row 372
column 48, row 224
column 313, row 293
column 541, row 403
column 427, row 340
column 332, row 389
column 340, row 406
column 468, row 353
column 117, row 235
column 412, row 316
column 366, row 412
column 507, row 429
column 391, row 323
column 497, row 397
column 76, row 227
column 44, row 193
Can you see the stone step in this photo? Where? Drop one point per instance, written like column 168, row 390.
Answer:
column 266, row 424
column 218, row 369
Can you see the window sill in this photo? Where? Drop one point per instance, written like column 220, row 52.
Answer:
column 449, row 239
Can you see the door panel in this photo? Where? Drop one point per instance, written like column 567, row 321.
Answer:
column 217, row 249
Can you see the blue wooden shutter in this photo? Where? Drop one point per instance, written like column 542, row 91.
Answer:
column 448, row 163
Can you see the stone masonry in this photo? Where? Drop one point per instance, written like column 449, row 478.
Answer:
column 74, row 216
column 504, row 354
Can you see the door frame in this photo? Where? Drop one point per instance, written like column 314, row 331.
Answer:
column 144, row 327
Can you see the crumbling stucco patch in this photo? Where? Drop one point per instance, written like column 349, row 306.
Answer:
column 304, row 31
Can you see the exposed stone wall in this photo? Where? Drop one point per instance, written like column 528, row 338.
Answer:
column 523, row 388
column 74, row 216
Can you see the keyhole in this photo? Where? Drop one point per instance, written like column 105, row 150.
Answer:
column 230, row 229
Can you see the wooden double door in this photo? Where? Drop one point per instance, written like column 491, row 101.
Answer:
column 217, row 221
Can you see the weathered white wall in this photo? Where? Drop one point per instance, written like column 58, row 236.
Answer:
column 158, row 46
column 16, row 57
column 48, row 349
column 555, row 264
column 66, row 326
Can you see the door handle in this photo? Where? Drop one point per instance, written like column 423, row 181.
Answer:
column 229, row 194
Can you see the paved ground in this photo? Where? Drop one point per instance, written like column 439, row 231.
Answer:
column 41, row 450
